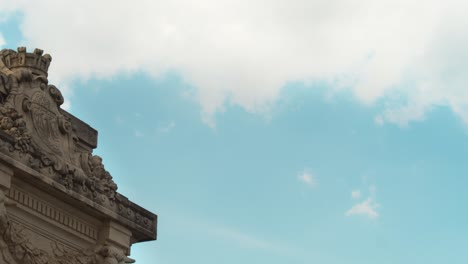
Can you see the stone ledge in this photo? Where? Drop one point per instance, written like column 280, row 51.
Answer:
column 85, row 133
column 139, row 231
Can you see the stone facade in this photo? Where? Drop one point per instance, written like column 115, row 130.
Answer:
column 58, row 203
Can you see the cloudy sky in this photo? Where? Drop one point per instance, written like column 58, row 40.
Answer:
column 321, row 131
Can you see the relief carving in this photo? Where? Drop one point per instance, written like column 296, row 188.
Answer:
column 45, row 121
column 36, row 132
column 16, row 247
column 102, row 177
column 14, row 125
column 29, row 113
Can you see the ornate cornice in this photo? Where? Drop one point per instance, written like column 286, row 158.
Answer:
column 16, row 247
column 52, row 212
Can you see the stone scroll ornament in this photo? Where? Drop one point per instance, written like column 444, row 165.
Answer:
column 34, row 130
column 16, row 248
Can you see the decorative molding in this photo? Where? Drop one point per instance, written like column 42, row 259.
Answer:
column 52, row 213
column 16, row 247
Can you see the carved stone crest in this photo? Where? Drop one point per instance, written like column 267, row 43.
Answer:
column 30, row 114
column 45, row 121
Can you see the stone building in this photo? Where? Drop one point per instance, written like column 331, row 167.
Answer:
column 58, row 203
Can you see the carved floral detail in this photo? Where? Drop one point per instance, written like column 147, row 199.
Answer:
column 102, row 177
column 12, row 123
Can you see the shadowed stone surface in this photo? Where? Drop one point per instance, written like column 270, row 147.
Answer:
column 58, row 203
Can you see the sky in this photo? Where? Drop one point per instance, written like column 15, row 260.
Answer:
column 330, row 132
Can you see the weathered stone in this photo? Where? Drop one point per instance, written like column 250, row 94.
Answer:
column 58, row 203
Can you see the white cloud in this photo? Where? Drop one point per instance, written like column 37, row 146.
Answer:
column 356, row 194
column 367, row 208
column 409, row 52
column 66, row 104
column 2, row 40
column 308, row 178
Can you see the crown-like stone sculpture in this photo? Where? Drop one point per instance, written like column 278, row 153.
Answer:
column 49, row 177
column 36, row 62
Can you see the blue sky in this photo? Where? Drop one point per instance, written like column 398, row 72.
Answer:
column 351, row 150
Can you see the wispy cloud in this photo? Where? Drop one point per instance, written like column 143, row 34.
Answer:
column 119, row 120
column 248, row 240
column 356, row 194
column 379, row 120
column 243, row 239
column 138, row 134
column 307, row 178
column 167, row 128
column 366, row 208
column 225, row 233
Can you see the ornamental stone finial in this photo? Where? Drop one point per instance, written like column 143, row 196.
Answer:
column 37, row 63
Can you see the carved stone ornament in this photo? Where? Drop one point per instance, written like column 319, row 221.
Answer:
column 37, row 132
column 42, row 144
column 15, row 247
